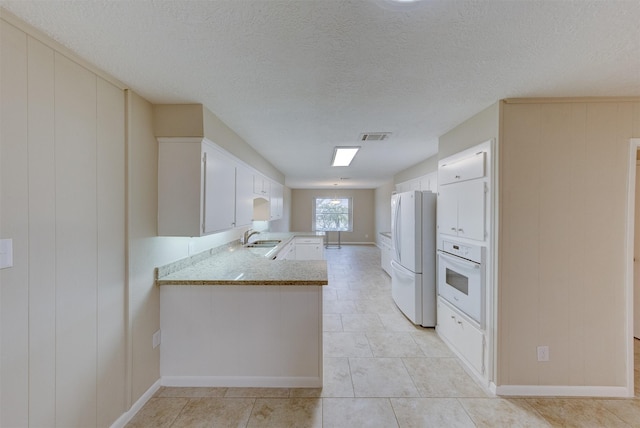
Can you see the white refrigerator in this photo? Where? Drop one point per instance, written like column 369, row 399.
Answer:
column 413, row 264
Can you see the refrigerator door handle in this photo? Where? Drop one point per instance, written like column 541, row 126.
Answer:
column 396, row 230
column 401, row 269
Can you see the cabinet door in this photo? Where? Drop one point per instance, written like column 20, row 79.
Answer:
column 448, row 210
column 309, row 249
column 471, row 209
column 244, row 196
column 219, row 191
column 466, row 339
column 468, row 168
column 385, row 257
column 308, row 252
column 180, row 187
column 261, row 186
column 277, row 192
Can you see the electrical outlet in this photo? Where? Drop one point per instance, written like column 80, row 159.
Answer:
column 157, row 338
column 543, row 353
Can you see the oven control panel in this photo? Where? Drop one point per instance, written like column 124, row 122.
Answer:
column 469, row 252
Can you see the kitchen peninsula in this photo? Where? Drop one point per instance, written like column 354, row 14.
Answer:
column 240, row 316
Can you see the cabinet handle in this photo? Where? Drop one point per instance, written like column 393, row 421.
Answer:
column 457, row 176
column 460, row 230
column 459, row 322
column 453, row 228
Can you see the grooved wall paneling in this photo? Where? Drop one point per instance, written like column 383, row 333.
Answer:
column 62, row 201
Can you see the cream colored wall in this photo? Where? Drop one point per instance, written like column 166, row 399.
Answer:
column 178, row 120
column 382, row 196
column 563, row 178
column 475, row 130
column 363, row 212
column 425, row 167
column 62, row 151
column 195, row 120
column 218, row 132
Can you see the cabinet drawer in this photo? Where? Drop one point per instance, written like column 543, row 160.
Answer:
column 309, row 241
column 461, row 333
column 467, row 168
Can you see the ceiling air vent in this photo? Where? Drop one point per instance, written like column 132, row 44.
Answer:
column 375, row 136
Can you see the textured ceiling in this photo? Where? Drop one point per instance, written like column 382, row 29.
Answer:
column 295, row 78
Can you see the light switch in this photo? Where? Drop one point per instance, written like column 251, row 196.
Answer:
column 6, row 253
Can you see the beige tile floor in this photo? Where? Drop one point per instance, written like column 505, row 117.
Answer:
column 379, row 371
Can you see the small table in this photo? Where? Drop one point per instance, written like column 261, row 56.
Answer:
column 327, row 245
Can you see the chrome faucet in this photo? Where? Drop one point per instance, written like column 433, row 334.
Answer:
column 248, row 234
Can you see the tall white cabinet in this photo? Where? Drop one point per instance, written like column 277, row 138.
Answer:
column 464, row 217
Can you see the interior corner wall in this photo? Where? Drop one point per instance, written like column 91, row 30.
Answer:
column 479, row 128
column 563, row 193
column 382, row 197
column 425, row 167
column 219, row 133
column 363, row 212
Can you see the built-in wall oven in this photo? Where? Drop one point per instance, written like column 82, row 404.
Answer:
column 461, row 277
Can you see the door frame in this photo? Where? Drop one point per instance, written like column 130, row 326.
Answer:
column 634, row 145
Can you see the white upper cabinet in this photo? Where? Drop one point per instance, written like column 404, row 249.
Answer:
column 202, row 189
column 261, row 186
column 219, row 191
column 461, row 210
column 467, row 168
column 196, row 188
column 180, row 188
column 277, row 200
column 463, row 192
column 428, row 182
column 244, row 196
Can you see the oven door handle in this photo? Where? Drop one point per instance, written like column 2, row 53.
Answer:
column 459, row 261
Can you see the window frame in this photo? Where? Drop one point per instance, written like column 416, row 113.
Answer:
column 349, row 213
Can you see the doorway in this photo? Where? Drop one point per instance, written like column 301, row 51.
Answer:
column 633, row 261
column 636, row 254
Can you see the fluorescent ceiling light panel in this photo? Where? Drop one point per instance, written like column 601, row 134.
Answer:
column 342, row 156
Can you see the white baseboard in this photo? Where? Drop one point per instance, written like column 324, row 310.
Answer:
column 128, row 415
column 563, row 391
column 242, row 381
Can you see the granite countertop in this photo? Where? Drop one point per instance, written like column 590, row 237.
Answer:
column 233, row 264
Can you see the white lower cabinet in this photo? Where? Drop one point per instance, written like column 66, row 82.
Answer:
column 309, row 249
column 385, row 253
column 288, row 252
column 462, row 335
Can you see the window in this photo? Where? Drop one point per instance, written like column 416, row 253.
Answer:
column 332, row 214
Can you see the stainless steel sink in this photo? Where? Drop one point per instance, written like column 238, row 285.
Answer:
column 263, row 243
